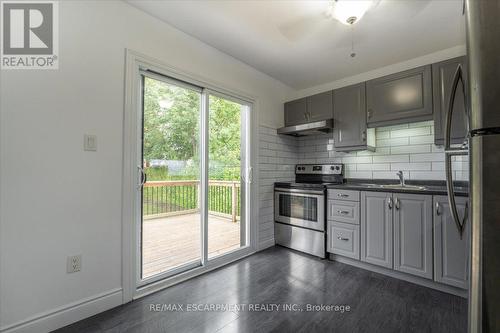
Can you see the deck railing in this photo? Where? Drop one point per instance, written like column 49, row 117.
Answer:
column 175, row 197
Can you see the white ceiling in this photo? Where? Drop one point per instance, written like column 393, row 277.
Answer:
column 296, row 43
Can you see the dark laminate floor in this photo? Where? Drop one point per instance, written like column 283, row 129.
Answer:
column 276, row 276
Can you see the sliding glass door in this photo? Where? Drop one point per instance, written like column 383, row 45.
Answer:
column 226, row 160
column 171, row 220
column 193, row 169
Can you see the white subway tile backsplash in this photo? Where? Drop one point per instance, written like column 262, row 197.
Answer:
column 378, row 151
column 391, row 158
column 407, row 132
column 393, row 142
column 352, row 167
column 427, row 175
column 389, row 175
column 406, row 147
column 411, row 166
column 411, row 149
column 357, row 159
column 431, row 157
column 422, row 139
column 358, row 174
column 382, row 134
column 374, row 167
column 438, row 166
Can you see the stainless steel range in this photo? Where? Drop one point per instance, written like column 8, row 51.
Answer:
column 300, row 207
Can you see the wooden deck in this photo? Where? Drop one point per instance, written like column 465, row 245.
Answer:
column 171, row 241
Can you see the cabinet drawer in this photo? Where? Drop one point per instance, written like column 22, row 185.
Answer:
column 343, row 239
column 343, row 211
column 335, row 194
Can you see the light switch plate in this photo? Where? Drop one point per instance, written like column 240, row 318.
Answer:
column 89, row 142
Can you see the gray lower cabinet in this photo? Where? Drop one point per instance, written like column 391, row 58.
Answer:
column 413, row 234
column 442, row 76
column 349, row 114
column 320, row 106
column 343, row 239
column 295, row 112
column 451, row 252
column 400, row 98
column 376, row 228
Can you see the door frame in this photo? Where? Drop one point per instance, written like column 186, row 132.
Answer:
column 134, row 63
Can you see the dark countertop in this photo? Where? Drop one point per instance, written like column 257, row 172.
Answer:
column 434, row 187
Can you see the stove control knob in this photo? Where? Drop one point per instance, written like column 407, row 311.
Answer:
column 337, row 167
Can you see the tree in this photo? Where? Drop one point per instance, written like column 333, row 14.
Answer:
column 171, row 129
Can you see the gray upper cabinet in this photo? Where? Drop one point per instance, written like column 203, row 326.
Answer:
column 376, row 228
column 320, row 106
column 442, row 76
column 400, row 98
column 349, row 114
column 295, row 112
column 451, row 252
column 309, row 109
column 413, row 234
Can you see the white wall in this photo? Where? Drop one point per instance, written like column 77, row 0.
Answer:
column 56, row 199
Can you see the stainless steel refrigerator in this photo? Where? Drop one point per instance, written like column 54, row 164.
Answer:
column 483, row 148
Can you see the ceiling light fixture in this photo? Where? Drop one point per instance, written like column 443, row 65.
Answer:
column 350, row 11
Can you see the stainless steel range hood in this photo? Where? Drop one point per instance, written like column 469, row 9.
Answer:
column 317, row 127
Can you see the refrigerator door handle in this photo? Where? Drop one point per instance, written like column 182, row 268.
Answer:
column 451, row 194
column 450, row 152
column 457, row 78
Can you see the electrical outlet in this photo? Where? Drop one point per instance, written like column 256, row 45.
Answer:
column 74, row 264
column 90, row 142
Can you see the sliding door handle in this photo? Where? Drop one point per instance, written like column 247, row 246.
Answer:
column 142, row 176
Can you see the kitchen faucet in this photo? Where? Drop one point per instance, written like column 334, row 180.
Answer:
column 401, row 178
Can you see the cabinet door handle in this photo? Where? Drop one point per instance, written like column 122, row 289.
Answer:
column 397, row 205
column 342, row 238
column 340, row 195
column 438, row 206
column 343, row 212
column 363, row 136
column 389, row 203
column 370, row 111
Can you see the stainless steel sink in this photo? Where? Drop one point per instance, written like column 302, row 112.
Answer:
column 402, row 187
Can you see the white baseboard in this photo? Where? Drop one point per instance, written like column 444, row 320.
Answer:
column 67, row 314
column 265, row 244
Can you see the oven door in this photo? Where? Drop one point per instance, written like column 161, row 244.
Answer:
column 301, row 208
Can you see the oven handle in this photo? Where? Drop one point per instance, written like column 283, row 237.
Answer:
column 295, row 190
